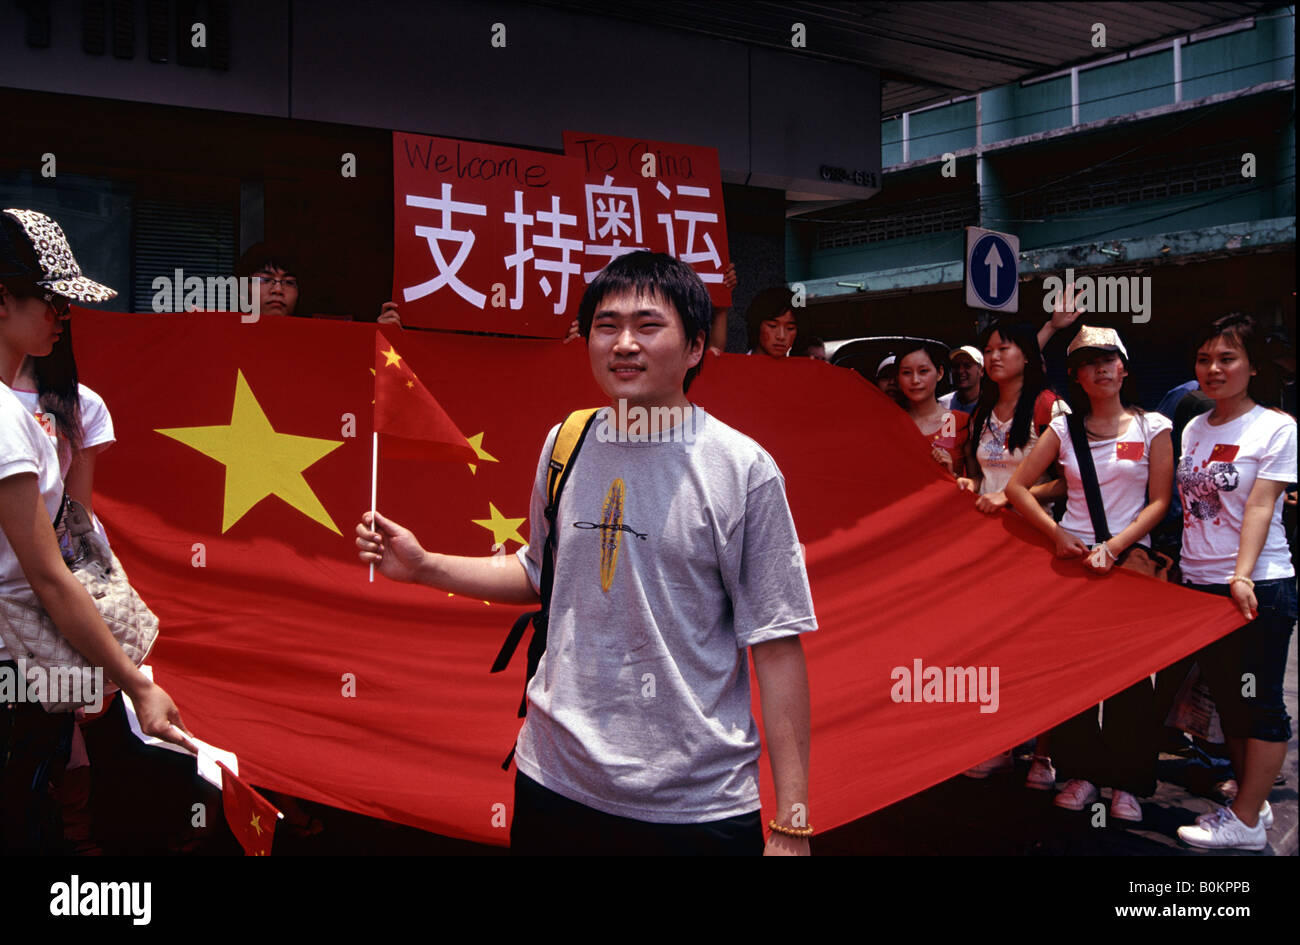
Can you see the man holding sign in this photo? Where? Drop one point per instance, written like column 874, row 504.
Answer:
column 674, row 550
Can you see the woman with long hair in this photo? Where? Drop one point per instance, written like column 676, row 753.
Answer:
column 38, row 277
column 1131, row 456
column 920, row 368
column 1015, row 405
column 1237, row 460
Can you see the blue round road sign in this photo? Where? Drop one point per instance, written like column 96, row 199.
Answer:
column 992, row 270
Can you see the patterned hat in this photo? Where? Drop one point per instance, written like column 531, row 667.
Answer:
column 1103, row 339
column 48, row 260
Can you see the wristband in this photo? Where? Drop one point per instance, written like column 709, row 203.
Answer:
column 802, row 833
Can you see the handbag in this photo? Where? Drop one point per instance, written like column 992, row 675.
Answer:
column 1134, row 558
column 31, row 636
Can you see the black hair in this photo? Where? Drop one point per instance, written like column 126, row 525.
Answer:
column 57, row 385
column 1243, row 332
column 772, row 302
column 1025, row 337
column 646, row 273
column 262, row 256
column 59, row 389
column 812, row 341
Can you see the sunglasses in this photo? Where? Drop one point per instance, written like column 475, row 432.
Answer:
column 57, row 302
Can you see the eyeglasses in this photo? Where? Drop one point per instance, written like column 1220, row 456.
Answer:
column 288, row 282
column 57, row 302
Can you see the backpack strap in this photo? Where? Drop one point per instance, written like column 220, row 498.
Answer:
column 1088, row 473
column 568, row 442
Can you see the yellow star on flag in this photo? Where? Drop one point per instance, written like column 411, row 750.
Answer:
column 391, row 356
column 476, row 441
column 503, row 529
column 259, row 461
column 256, row 823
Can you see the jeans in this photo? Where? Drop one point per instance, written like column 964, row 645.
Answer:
column 1253, row 659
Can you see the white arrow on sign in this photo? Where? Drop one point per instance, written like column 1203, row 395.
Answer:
column 993, row 260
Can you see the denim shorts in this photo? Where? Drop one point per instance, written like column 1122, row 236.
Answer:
column 1260, row 650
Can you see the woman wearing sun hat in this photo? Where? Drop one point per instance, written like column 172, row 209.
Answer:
column 39, row 277
column 1131, row 459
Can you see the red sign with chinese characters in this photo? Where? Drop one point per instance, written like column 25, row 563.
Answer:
column 486, row 238
column 652, row 195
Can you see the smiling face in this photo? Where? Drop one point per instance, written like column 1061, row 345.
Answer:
column 966, row 376
column 638, row 350
column 279, row 291
column 1222, row 369
column 917, row 377
column 1003, row 359
column 776, row 335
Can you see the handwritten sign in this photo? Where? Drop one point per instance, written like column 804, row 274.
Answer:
column 486, row 238
column 655, row 195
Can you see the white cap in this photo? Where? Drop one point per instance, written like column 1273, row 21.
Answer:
column 972, row 352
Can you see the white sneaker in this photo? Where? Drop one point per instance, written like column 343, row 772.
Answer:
column 1042, row 776
column 1223, row 831
column 1077, row 794
column 1124, row 806
column 1265, row 816
column 997, row 763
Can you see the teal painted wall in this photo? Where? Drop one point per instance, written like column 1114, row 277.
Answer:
column 1013, row 111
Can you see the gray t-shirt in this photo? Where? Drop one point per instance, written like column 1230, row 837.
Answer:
column 673, row 557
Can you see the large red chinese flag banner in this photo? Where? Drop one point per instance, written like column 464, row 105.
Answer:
column 653, row 195
column 242, row 465
column 486, row 238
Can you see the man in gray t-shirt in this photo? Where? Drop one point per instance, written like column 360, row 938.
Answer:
column 674, row 552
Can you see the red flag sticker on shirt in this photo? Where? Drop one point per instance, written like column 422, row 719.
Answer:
column 1223, row 452
column 1131, row 451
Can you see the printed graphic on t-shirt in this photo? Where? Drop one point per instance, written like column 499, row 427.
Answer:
column 997, row 448
column 1129, row 451
column 47, row 423
column 1224, row 452
column 611, row 530
column 1201, row 485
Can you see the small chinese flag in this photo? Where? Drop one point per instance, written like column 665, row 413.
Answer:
column 1223, row 452
column 406, row 412
column 1131, row 451
column 251, row 816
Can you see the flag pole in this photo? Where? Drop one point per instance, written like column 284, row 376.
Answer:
column 374, row 482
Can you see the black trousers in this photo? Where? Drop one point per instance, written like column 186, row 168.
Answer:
column 34, row 749
column 548, row 824
column 1121, row 752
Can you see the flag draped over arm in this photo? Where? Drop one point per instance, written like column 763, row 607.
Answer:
column 242, row 464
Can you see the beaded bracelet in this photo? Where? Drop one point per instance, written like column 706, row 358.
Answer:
column 801, row 832
column 1241, row 577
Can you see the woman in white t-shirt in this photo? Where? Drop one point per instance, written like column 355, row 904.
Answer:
column 1015, row 405
column 74, row 416
column 38, row 276
column 1237, row 460
column 1133, row 459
